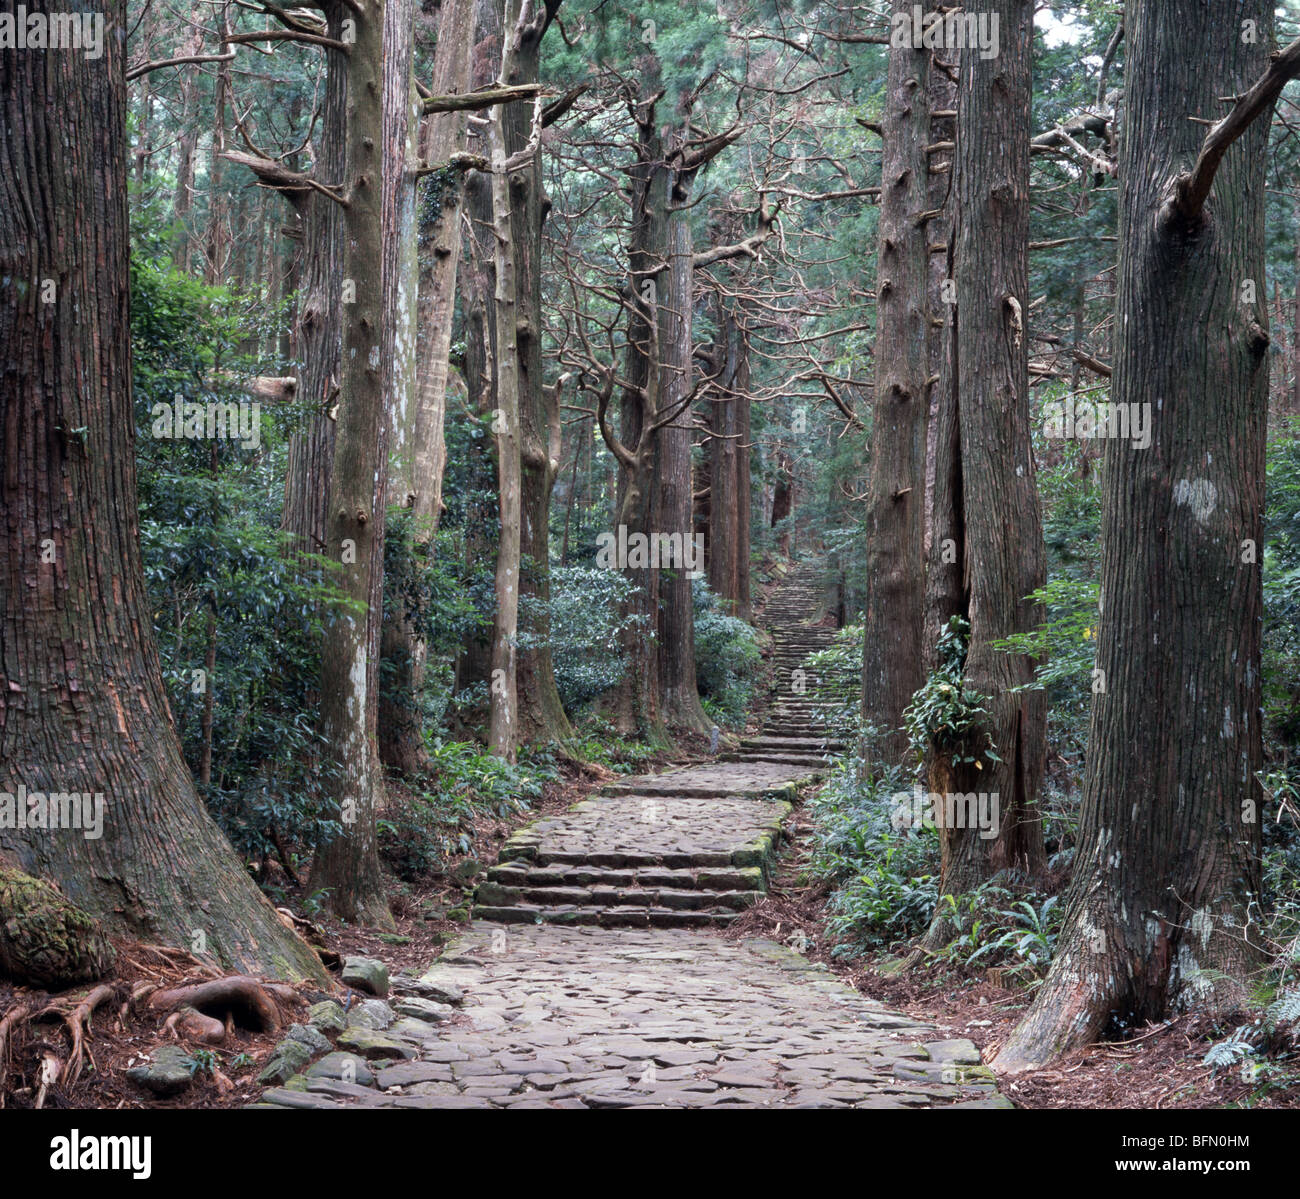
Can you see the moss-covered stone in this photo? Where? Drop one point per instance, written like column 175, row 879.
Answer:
column 46, row 941
column 327, row 1016
column 168, row 1072
column 312, row 1039
column 464, row 873
column 286, row 1060
column 372, row 1045
column 345, row 1067
column 366, row 974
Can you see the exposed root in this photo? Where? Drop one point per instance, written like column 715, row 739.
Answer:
column 75, row 1013
column 251, row 1002
column 14, row 1017
column 190, row 1024
column 47, row 1075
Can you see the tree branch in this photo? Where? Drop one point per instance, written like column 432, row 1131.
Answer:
column 475, row 101
column 146, row 68
column 280, row 178
column 1193, row 188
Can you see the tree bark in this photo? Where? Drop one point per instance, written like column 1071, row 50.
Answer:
column 405, row 648
column 503, row 732
column 320, row 312
column 635, row 705
column 379, row 113
column 1167, row 869
column 672, row 511
column 728, row 464
column 893, row 664
column 541, row 714
column 999, row 509
column 82, row 704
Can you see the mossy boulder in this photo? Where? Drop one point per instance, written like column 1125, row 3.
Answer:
column 366, row 974
column 327, row 1016
column 289, row 1057
column 45, row 940
column 169, row 1071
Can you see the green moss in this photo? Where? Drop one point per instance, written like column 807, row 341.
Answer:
column 45, row 940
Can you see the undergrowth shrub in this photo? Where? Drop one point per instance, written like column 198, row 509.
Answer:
column 417, row 834
column 885, row 875
column 726, row 658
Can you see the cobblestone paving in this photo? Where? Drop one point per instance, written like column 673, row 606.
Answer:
column 627, row 830
column 735, row 778
column 572, row 1017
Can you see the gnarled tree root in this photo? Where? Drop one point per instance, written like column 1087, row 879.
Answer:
column 75, row 1011
column 252, row 1004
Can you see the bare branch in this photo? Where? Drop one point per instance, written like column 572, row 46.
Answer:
column 1192, row 189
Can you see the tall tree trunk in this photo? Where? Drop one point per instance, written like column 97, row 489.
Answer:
column 744, row 456
column 947, row 580
column 379, row 112
column 672, row 506
column 541, row 714
column 503, row 730
column 728, row 463
column 216, row 247
column 635, row 704
column 1167, row 871
column 893, row 664
column 672, row 512
column 82, row 704
column 320, row 313
column 476, row 285
column 405, row 648
column 187, row 143
column 783, row 500
column 999, row 502
column 1295, row 326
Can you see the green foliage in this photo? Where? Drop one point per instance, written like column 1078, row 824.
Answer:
column 994, row 926
column 726, row 657
column 587, row 626
column 945, row 716
column 1064, row 646
column 202, row 1061
column 1281, row 575
column 886, row 876
column 836, row 674
column 238, row 620
column 421, row 829
column 598, row 742
column 427, row 584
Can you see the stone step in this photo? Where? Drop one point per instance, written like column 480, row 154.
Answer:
column 633, row 858
column 791, row 759
column 619, row 917
column 789, row 743
column 717, row 878
column 494, row 895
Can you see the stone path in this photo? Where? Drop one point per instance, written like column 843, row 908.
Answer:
column 595, row 975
